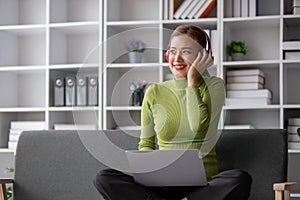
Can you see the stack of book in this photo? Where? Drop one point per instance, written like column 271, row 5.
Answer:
column 293, row 137
column 17, row 127
column 291, row 49
column 239, row 126
column 194, row 9
column 241, row 8
column 75, row 127
column 246, row 88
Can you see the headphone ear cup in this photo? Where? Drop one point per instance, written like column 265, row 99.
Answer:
column 167, row 55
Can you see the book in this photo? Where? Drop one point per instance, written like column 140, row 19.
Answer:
column 291, row 45
column 166, row 9
column 28, row 125
column 247, row 101
column 12, row 144
column 293, row 138
column 245, row 72
column 75, row 127
column 292, row 129
column 246, row 79
column 129, row 128
column 236, row 8
column 15, row 131
column 296, row 10
column 214, row 40
column 244, row 86
column 181, row 9
column 294, row 121
column 296, row 3
column 196, row 8
column 228, row 8
column 294, row 145
column 244, row 8
column 13, row 137
column 253, row 8
column 173, row 6
column 266, row 93
column 292, row 55
column 205, row 10
column 187, row 11
column 239, row 126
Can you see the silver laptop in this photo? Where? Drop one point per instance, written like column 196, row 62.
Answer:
column 167, row 167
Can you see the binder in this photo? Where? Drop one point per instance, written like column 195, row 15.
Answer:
column 59, row 91
column 81, row 91
column 92, row 91
column 70, row 91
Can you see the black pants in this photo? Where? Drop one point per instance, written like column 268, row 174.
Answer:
column 228, row 185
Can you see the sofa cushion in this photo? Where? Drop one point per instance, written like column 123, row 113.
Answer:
column 56, row 165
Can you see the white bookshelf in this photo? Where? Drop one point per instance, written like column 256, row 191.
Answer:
column 143, row 20
column 264, row 35
column 41, row 39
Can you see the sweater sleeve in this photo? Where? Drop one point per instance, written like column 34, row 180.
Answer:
column 147, row 138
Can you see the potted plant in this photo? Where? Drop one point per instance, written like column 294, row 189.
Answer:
column 236, row 49
column 136, row 48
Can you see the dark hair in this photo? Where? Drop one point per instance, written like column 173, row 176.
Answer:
column 195, row 32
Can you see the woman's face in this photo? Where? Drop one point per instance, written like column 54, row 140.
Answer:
column 183, row 52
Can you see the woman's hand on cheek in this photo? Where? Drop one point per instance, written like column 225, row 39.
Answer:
column 200, row 64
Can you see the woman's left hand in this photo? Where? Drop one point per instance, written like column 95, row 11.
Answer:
column 200, row 64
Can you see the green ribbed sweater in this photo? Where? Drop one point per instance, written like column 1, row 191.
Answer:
column 183, row 117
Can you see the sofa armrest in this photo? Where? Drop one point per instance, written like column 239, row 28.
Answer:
column 3, row 182
column 283, row 189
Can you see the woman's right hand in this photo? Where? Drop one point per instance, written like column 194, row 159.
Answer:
column 200, row 64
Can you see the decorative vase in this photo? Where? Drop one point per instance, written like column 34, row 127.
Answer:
column 135, row 57
column 237, row 56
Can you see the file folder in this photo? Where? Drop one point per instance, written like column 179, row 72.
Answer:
column 59, row 91
column 70, row 91
column 81, row 91
column 93, row 91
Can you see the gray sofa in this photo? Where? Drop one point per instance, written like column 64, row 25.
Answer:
column 61, row 165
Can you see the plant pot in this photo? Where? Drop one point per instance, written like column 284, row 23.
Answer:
column 237, row 56
column 135, row 57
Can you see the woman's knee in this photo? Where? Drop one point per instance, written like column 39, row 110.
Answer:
column 243, row 184
column 103, row 178
column 244, row 179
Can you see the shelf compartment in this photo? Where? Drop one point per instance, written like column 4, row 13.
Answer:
column 6, row 118
column 291, row 73
column 22, row 88
column 121, row 118
column 19, row 12
column 74, row 10
column 118, row 36
column 87, row 117
column 23, row 46
column 291, row 29
column 290, row 113
column 272, row 77
column 263, row 8
column 117, row 92
column 72, row 72
column 259, row 118
column 127, row 10
column 254, row 32
column 74, row 44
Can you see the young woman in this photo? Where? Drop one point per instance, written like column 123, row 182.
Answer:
column 182, row 114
